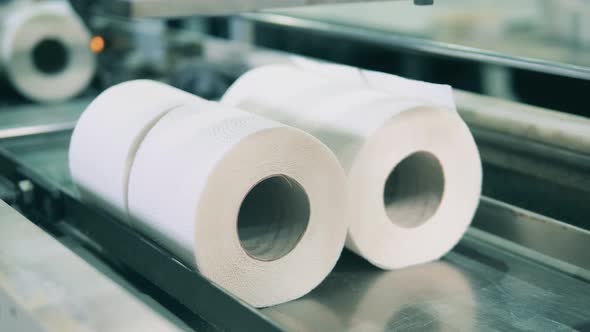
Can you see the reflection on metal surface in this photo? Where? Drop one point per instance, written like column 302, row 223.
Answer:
column 433, row 297
column 306, row 315
column 476, row 287
column 359, row 297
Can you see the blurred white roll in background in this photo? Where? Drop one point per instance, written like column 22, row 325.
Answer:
column 44, row 50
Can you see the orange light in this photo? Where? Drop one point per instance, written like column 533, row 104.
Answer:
column 97, row 44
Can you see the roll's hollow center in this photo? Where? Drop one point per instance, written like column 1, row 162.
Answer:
column 50, row 56
column 414, row 189
column 273, row 217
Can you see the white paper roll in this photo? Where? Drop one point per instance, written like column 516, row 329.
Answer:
column 108, row 134
column 44, row 51
column 255, row 206
column 414, row 173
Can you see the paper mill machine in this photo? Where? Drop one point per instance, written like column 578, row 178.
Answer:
column 520, row 72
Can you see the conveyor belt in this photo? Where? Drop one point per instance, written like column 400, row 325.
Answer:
column 480, row 285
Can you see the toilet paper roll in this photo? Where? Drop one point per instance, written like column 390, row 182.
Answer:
column 255, row 206
column 414, row 173
column 44, row 51
column 108, row 134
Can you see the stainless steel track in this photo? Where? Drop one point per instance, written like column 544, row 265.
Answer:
column 480, row 285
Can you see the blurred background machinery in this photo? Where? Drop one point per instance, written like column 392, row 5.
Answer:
column 520, row 70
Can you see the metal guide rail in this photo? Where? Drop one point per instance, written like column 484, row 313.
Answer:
column 527, row 50
column 179, row 8
column 486, row 282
